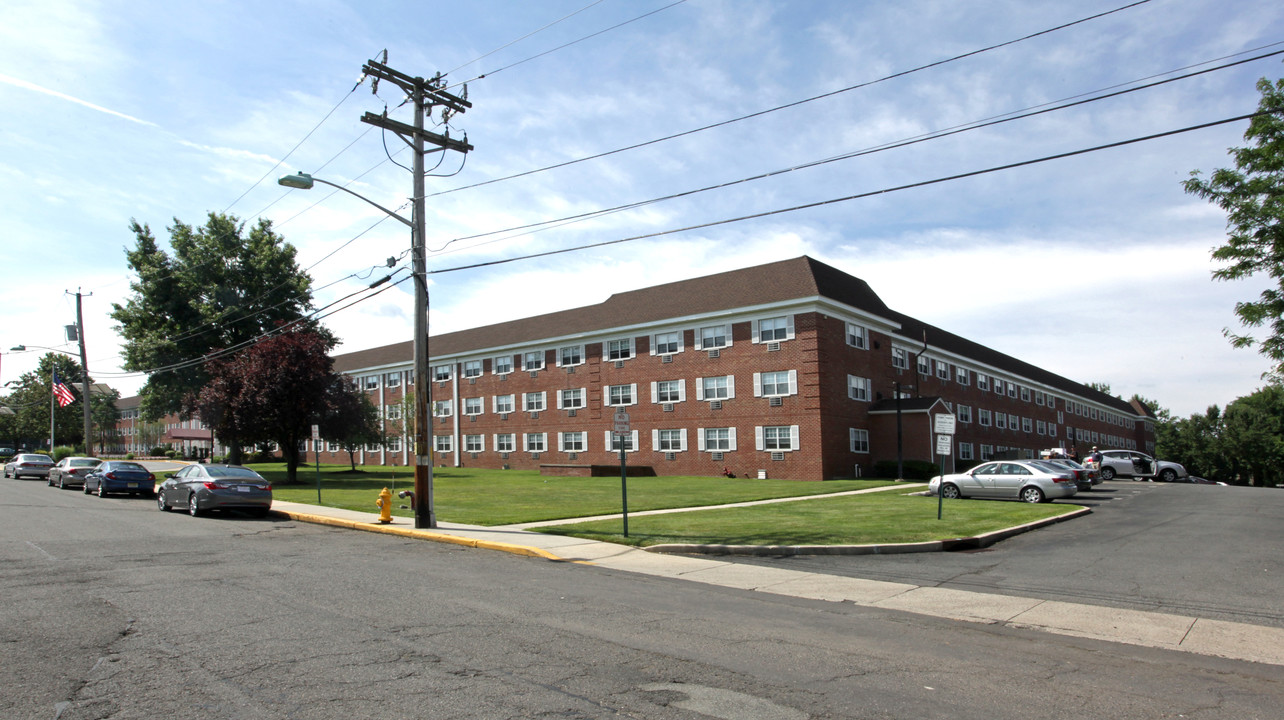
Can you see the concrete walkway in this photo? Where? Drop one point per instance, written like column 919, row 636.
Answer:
column 1240, row 641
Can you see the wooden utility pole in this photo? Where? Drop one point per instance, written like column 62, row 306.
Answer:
column 426, row 94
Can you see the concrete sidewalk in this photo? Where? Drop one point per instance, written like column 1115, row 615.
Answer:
column 1240, row 641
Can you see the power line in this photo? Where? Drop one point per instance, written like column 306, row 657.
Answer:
column 796, row 103
column 529, row 34
column 1029, row 112
column 858, row 196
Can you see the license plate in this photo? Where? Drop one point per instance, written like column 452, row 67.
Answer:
column 131, row 485
column 243, row 488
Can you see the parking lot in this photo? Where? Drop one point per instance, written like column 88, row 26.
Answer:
column 1204, row 550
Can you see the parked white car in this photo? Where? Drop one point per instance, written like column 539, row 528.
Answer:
column 1138, row 466
column 1032, row 482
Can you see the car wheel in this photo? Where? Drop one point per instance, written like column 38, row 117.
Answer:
column 1107, row 474
column 193, row 508
column 85, row 488
column 161, row 504
column 950, row 491
column 62, row 483
column 1168, row 475
column 102, row 490
column 1032, row 495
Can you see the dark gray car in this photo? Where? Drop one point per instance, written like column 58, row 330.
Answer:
column 201, row 488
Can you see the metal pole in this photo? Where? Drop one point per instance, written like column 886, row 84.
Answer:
column 624, row 486
column 424, row 515
column 52, row 374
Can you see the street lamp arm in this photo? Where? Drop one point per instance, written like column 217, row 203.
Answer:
column 303, row 181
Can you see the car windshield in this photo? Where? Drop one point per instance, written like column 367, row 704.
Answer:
column 233, row 472
column 134, row 467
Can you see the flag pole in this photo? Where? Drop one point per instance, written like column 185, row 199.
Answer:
column 53, row 380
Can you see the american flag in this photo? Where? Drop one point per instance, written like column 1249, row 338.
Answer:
column 61, row 392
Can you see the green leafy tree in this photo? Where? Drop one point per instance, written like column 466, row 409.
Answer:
column 350, row 419
column 30, row 402
column 1252, row 194
column 220, row 288
column 1253, row 435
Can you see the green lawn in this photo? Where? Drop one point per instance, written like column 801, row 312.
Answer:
column 502, row 497
column 884, row 517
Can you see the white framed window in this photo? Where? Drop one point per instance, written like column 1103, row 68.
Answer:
column 1041, row 427
column 393, row 411
column 859, row 440
column 620, row 395
column 1038, row 397
column 1012, row 389
column 1014, row 422
column 441, row 373
column 443, row 408
column 502, row 364
column 394, row 443
column 900, row 358
column 942, row 370
column 987, row 452
column 964, row 413
column 619, row 349
column 472, row 368
column 535, row 442
column 716, row 439
column 722, row 387
column 669, row 440
column 332, row 447
column 571, row 398
column 1001, row 421
column 570, row 442
column 392, row 380
column 965, row 451
column 668, row 391
column 533, row 360
column 713, row 337
column 774, row 329
column 1027, row 424
column 570, row 355
column 775, row 384
column 776, row 438
column 858, row 388
column 505, row 442
column 629, row 441
column 474, row 443
column 998, row 386
column 924, row 365
column 982, row 381
column 961, row 375
column 373, row 447
column 443, row 443
column 474, row 406
column 857, row 336
column 371, row 382
column 504, row 404
column 534, row 401
column 666, row 343
column 983, row 417
column 1025, row 394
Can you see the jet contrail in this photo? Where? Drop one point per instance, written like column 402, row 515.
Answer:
column 29, row 86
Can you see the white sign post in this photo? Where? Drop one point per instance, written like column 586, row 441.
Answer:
column 622, row 431
column 944, row 425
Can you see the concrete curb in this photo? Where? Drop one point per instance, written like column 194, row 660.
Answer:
column 953, row 544
column 421, row 535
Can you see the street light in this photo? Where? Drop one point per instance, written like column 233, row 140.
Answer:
column 425, row 516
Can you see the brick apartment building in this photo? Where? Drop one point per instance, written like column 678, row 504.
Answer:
column 790, row 369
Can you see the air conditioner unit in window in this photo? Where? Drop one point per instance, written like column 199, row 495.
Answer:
column 716, row 456
column 572, row 456
column 777, row 401
column 670, row 456
column 666, row 358
column 504, row 456
column 474, row 455
column 535, row 456
column 570, row 413
column 503, row 416
column 777, row 456
column 667, row 407
column 715, row 405
column 503, row 378
column 773, row 346
column 619, row 363
column 534, row 416
column 714, row 353
column 472, row 418
column 570, row 369
column 535, row 373
column 472, row 381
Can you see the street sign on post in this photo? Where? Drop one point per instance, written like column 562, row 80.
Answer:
column 316, row 456
column 944, row 425
column 621, row 431
column 944, row 443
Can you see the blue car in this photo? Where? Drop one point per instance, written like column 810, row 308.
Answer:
column 120, row 476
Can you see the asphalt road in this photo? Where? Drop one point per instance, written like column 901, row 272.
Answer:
column 1205, row 550
column 114, row 610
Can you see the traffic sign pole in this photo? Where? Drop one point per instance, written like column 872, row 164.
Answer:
column 622, row 431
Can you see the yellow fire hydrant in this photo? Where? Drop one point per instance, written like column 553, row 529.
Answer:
column 385, row 506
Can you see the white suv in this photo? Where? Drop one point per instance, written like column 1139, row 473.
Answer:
column 1133, row 464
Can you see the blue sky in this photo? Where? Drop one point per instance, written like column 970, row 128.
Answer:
column 1096, row 266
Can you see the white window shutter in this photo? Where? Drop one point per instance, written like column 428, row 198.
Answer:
column 793, row 382
column 682, row 390
column 682, row 336
column 655, row 439
column 757, row 387
column 699, row 439
column 757, row 336
column 682, row 439
column 789, row 327
column 700, row 392
column 731, row 438
column 655, row 392
column 633, row 393
column 608, row 440
column 559, row 399
column 698, row 339
column 731, row 386
column 793, row 437
column 757, row 437
column 559, row 442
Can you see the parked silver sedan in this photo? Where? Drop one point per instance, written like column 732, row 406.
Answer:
column 71, row 471
column 28, row 465
column 1011, row 479
column 201, row 488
